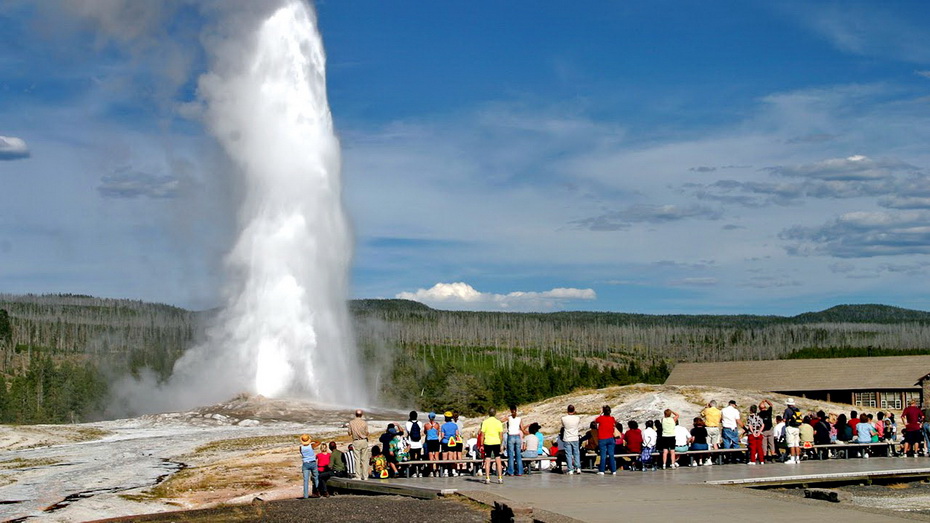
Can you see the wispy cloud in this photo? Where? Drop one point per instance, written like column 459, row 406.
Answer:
column 127, row 183
column 619, row 220
column 463, row 296
column 864, row 234
column 13, row 148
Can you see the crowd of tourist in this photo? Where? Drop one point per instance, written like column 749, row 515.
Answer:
column 441, row 447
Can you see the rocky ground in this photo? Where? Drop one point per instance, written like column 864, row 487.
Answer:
column 242, row 449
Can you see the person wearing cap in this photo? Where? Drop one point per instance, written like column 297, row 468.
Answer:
column 792, row 431
column 731, row 423
column 358, row 431
column 431, row 428
column 308, row 466
column 450, row 437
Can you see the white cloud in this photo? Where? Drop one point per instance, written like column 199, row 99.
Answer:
column 13, row 148
column 462, row 296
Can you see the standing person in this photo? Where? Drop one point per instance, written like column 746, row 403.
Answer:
column 606, row 424
column 492, row 435
column 754, row 436
column 433, row 445
column 667, row 439
column 793, row 420
column 358, row 431
column 515, row 431
column 712, row 415
column 308, row 465
column 337, row 460
column 731, row 423
column 570, row 424
column 458, row 449
column 768, row 435
column 913, row 419
column 449, row 431
column 415, row 437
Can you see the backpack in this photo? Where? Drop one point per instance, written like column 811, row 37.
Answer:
column 797, row 418
column 414, row 431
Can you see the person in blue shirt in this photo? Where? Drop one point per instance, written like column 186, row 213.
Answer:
column 308, row 458
column 449, row 430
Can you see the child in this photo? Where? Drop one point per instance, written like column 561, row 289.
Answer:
column 379, row 464
column 650, row 437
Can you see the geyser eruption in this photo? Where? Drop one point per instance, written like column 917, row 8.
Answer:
column 285, row 329
column 286, row 317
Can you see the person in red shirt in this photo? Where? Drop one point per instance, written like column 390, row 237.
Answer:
column 606, row 424
column 632, row 441
column 912, row 417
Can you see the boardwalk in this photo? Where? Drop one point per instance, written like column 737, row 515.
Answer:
column 686, row 492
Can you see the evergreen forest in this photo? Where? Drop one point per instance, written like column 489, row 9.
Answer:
column 59, row 353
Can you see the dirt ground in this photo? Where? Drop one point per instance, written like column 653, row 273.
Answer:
column 343, row 508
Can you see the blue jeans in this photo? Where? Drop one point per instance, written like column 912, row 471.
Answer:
column 573, row 455
column 730, row 439
column 513, row 453
column 606, row 447
column 310, row 469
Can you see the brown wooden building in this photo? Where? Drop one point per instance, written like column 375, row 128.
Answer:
column 883, row 383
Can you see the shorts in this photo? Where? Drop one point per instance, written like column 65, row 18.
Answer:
column 459, row 447
column 448, row 448
column 713, row 435
column 681, row 448
column 492, row 451
column 699, row 446
column 792, row 437
column 432, row 445
column 666, row 443
column 913, row 437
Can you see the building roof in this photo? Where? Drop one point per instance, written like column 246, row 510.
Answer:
column 892, row 372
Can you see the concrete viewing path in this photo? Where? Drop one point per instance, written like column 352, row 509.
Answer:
column 686, row 492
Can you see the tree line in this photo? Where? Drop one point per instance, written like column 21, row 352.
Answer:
column 57, row 352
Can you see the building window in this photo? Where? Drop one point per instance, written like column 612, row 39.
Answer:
column 890, row 400
column 911, row 395
column 865, row 399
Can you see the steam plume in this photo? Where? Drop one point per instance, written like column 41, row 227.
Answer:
column 285, row 328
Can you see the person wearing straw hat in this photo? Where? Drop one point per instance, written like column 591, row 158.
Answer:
column 309, row 467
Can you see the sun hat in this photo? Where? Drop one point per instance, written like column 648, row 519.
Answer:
column 448, row 414
column 789, row 401
column 305, row 439
column 432, row 415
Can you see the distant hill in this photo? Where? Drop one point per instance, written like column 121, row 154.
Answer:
column 871, row 313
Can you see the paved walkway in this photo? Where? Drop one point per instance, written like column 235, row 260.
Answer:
column 686, row 491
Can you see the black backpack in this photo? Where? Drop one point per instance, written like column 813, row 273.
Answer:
column 414, row 431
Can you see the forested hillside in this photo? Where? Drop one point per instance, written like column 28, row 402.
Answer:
column 59, row 352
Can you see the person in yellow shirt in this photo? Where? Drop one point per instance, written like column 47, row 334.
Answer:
column 492, row 434
column 712, row 416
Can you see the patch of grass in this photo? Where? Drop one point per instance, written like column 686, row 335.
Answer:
column 90, row 433
column 22, row 463
column 252, row 443
column 899, row 486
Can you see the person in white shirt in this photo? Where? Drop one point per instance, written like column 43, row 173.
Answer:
column 416, row 447
column 778, row 432
column 731, row 422
column 570, row 436
column 515, row 432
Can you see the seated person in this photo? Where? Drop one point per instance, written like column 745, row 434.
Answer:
column 379, row 464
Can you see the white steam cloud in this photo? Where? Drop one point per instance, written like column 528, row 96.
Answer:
column 461, row 295
column 285, row 329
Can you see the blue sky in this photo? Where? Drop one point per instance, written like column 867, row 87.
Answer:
column 659, row 157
